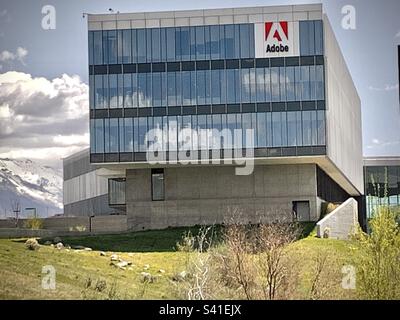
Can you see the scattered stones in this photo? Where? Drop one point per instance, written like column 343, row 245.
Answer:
column 122, row 264
column 59, row 246
column 102, row 253
column 146, row 267
column 161, row 271
column 57, row 240
column 32, row 244
column 88, row 249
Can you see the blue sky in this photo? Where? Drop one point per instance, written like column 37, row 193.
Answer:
column 48, row 62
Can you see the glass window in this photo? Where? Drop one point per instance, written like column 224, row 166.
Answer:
column 305, row 83
column 207, row 42
column 171, row 89
column 113, row 90
column 215, row 87
column 245, row 85
column 148, row 46
column 290, row 84
column 267, row 79
column 92, row 136
column 128, row 135
column 156, row 45
column 313, row 94
column 91, row 92
column 126, row 46
column 304, row 38
column 321, row 127
column 157, row 91
column 120, row 46
column 121, row 135
column 185, row 43
column 141, row 45
column 120, row 91
column 128, row 90
column 307, row 128
column 282, row 84
column 320, row 86
column 276, row 129
column 214, row 34
column 314, row 128
column 116, row 191
column 99, row 132
column 170, row 44
column 97, row 47
column 311, row 37
column 222, row 79
column 186, row 85
column 112, row 47
column 216, row 142
column 134, row 46
column 193, row 87
column 201, row 87
column 200, row 43
column 163, row 44
column 135, row 90
column 245, row 41
column 222, row 42
column 173, row 133
column 142, row 90
column 292, row 129
column 297, row 78
column 142, row 131
column 208, row 84
column 157, row 185
column 231, row 86
column 90, row 47
column 230, row 41
column 319, row 37
column 201, row 132
column 253, row 96
column 261, row 130
column 105, row 47
column 192, row 36
column 99, row 95
column 260, row 85
column 111, row 135
column 275, row 92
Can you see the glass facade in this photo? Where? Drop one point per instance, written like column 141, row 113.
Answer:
column 382, row 187
column 207, row 79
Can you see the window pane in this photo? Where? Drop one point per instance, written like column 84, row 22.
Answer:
column 307, row 128
column 170, row 44
column 120, row 46
column 320, row 86
column 314, row 128
column 222, row 42
column 173, row 133
column 148, row 45
column 284, row 129
column 90, row 47
column 163, row 44
column 156, row 45
column 276, row 129
column 97, row 47
column 261, row 130
column 231, row 86
column 92, row 136
column 290, row 84
column 253, row 96
column 128, row 132
column 208, row 88
column 135, row 90
column 99, row 96
column 192, row 36
column 185, row 43
column 142, row 90
column 113, row 91
column 126, row 46
column 207, row 42
column 186, row 79
column 141, row 45
column 305, row 82
column 215, row 87
column 313, row 94
column 157, row 184
column 292, row 129
column 297, row 77
column 99, row 129
column 321, row 127
column 142, row 130
column 105, row 47
column 120, row 91
column 156, row 89
column 200, row 44
column 311, row 38
column 112, row 47
column 214, row 34
column 114, row 131
column 267, row 79
column 91, row 92
column 193, row 86
column 275, row 84
column 116, row 191
column 201, row 87
column 230, row 41
column 319, row 38
column 128, row 90
column 304, row 38
column 260, row 85
column 282, row 84
column 134, row 46
column 245, row 85
column 244, row 41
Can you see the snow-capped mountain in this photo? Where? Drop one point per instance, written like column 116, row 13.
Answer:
column 33, row 185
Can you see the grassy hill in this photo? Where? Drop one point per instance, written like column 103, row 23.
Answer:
column 84, row 274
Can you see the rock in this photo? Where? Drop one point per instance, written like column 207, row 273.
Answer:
column 130, row 268
column 47, row 243
column 59, row 246
column 146, row 267
column 161, row 271
column 122, row 264
column 79, row 247
column 114, row 257
column 52, row 245
column 88, row 249
column 32, row 244
column 102, row 253
column 57, row 240
column 181, row 276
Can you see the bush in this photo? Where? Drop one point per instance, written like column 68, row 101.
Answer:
column 32, row 244
column 33, row 223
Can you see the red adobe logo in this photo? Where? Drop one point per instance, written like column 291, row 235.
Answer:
column 279, row 29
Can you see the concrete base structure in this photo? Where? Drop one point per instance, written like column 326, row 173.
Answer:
column 208, row 195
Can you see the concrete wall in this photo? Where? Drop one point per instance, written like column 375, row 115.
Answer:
column 344, row 129
column 206, row 195
column 89, row 207
column 341, row 222
column 109, row 224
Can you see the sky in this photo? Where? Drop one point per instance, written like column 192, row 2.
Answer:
column 44, row 73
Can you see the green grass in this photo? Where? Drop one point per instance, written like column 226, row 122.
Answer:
column 20, row 276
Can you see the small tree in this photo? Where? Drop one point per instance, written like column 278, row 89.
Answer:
column 16, row 208
column 378, row 263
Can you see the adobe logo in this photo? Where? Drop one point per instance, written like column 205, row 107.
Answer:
column 277, row 36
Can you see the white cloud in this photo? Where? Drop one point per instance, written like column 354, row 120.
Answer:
column 387, row 87
column 398, row 34
column 42, row 118
column 19, row 55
